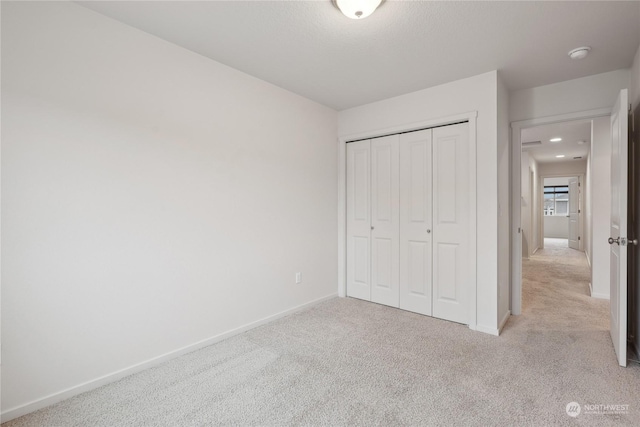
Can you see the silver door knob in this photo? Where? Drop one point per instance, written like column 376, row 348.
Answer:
column 428, row 231
column 612, row 241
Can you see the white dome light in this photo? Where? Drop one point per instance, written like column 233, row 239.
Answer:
column 357, row 9
column 580, row 52
column 559, row 156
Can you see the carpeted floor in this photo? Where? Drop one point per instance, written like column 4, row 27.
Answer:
column 354, row 363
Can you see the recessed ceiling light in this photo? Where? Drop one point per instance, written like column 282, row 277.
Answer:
column 559, row 156
column 555, row 140
column 580, row 52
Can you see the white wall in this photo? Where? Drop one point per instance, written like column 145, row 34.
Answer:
column 556, row 181
column 568, row 168
column 526, row 200
column 556, row 227
column 586, row 93
column 152, row 198
column 530, row 204
column 479, row 94
column 588, row 209
column 536, row 218
column 601, row 205
column 503, row 202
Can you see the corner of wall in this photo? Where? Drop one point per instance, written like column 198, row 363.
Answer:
column 504, row 190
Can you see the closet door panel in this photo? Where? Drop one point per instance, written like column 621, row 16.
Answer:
column 359, row 220
column 416, row 222
column 385, row 220
column 451, row 222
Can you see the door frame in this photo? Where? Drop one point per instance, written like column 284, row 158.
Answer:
column 540, row 196
column 516, row 191
column 471, row 118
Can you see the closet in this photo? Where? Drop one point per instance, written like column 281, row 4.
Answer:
column 408, row 221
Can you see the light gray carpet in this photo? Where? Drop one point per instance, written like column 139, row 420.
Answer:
column 349, row 362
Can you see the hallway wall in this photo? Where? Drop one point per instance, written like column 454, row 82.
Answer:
column 530, row 205
column 583, row 94
column 601, row 205
column 588, row 241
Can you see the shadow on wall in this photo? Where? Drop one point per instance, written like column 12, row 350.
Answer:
column 525, row 246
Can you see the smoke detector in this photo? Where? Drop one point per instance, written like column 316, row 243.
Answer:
column 580, row 52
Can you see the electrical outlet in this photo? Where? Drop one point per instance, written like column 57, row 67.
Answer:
column 298, row 277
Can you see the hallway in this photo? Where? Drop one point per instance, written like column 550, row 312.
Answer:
column 555, row 291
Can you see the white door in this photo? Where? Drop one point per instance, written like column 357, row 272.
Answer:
column 415, row 222
column 385, row 225
column 451, row 222
column 359, row 220
column 618, row 233
column 574, row 213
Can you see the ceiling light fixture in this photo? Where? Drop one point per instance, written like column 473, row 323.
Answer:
column 357, row 9
column 555, row 140
column 580, row 52
column 559, row 156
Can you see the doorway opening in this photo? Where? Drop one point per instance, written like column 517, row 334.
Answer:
column 563, row 223
column 555, row 168
column 606, row 238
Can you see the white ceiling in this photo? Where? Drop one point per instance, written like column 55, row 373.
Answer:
column 570, row 132
column 309, row 48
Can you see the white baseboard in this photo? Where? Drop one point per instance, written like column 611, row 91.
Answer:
column 590, row 289
column 588, row 258
column 535, row 250
column 600, row 296
column 504, row 321
column 51, row 399
column 487, row 330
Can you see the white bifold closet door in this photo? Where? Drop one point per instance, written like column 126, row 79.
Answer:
column 408, row 221
column 385, row 208
column 373, row 220
column 359, row 219
column 415, row 222
column 451, row 222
